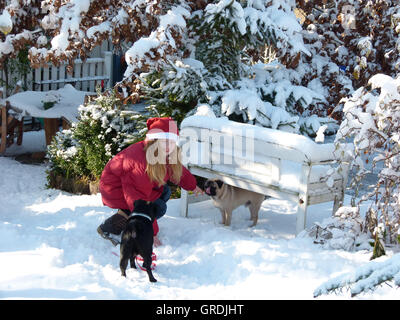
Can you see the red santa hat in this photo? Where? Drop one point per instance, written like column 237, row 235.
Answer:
column 162, row 128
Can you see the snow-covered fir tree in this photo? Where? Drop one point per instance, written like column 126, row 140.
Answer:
column 223, row 63
column 225, row 41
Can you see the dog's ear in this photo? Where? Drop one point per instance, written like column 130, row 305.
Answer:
column 219, row 183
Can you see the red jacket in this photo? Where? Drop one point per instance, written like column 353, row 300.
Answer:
column 124, row 180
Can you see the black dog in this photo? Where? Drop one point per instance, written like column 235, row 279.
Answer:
column 137, row 237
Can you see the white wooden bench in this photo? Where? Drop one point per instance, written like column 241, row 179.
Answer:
column 275, row 163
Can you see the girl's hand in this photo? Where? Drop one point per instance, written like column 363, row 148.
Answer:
column 198, row 191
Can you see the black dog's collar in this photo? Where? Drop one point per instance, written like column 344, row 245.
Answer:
column 134, row 214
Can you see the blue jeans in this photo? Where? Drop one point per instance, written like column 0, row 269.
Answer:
column 162, row 201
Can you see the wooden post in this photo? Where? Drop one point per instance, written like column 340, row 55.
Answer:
column 54, row 76
column 301, row 218
column 184, row 203
column 46, row 77
column 66, row 124
column 20, row 131
column 38, row 79
column 50, row 128
column 61, row 74
column 78, row 74
column 108, row 68
column 92, row 73
column 339, row 198
column 3, row 129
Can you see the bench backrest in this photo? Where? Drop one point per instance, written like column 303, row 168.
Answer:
column 255, row 153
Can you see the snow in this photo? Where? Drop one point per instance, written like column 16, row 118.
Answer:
column 388, row 85
column 205, row 110
column 60, row 41
column 366, row 277
column 320, row 134
column 243, row 99
column 5, row 22
column 175, row 16
column 101, row 28
column 49, row 248
column 142, row 46
column 158, row 40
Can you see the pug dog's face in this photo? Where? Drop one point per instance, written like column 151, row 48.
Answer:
column 211, row 187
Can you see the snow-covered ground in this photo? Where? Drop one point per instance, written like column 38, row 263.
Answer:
column 49, row 248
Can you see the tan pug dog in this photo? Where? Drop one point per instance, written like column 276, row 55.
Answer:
column 227, row 198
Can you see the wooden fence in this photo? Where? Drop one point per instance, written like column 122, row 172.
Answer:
column 86, row 76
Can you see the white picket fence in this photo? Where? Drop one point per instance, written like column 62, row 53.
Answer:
column 86, row 75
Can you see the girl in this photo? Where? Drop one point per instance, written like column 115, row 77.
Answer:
column 141, row 172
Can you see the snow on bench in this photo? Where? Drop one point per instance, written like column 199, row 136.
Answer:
column 30, row 103
column 279, row 164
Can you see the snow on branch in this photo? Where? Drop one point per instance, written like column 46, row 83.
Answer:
column 161, row 44
column 372, row 120
column 365, row 278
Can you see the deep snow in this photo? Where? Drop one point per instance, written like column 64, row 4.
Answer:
column 49, row 248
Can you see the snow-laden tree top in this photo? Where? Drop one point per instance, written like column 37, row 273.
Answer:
column 63, row 30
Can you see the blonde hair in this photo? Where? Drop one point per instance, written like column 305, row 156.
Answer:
column 156, row 170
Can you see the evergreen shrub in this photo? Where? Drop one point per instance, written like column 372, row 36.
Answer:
column 105, row 126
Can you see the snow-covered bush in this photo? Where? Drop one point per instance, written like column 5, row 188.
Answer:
column 372, row 120
column 105, row 127
column 343, row 231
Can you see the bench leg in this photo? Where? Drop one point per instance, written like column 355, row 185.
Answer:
column 301, row 217
column 184, row 203
column 337, row 203
column 20, row 131
column 339, row 199
column 303, row 199
column 3, row 128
